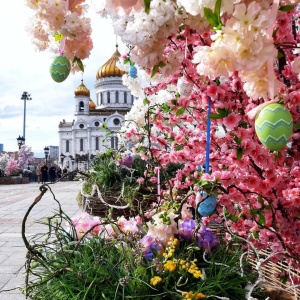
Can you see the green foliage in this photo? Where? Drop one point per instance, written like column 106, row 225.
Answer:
column 286, row 8
column 96, row 268
column 77, row 61
column 104, row 172
column 214, row 18
column 155, row 69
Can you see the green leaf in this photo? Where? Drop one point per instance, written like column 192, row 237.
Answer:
column 224, row 112
column 147, row 6
column 165, row 107
column 286, row 8
column 215, row 116
column 212, row 19
column 261, row 219
column 145, row 101
column 218, row 10
column 155, row 69
column 239, row 153
column 280, row 54
column 180, row 111
column 79, row 63
column 255, row 234
column 261, row 200
column 297, row 125
column 178, row 147
column 104, row 125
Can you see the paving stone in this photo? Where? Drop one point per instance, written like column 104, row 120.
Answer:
column 13, row 206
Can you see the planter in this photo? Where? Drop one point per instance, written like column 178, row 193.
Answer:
column 14, row 180
column 110, row 202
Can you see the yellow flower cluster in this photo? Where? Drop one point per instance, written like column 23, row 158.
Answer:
column 172, row 245
column 192, row 296
column 155, row 280
column 170, row 266
column 191, row 267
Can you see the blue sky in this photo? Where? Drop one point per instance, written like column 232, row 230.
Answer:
column 23, row 68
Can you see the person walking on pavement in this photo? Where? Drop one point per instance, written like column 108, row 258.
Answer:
column 38, row 173
column 44, row 170
column 52, row 173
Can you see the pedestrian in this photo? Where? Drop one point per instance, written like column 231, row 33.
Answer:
column 58, row 173
column 44, row 170
column 65, row 171
column 38, row 173
column 52, row 173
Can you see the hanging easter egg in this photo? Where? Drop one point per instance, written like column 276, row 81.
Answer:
column 207, row 206
column 184, row 88
column 274, row 126
column 60, row 68
column 132, row 71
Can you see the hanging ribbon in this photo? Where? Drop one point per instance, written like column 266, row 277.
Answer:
column 270, row 65
column 158, row 184
column 207, row 150
column 61, row 49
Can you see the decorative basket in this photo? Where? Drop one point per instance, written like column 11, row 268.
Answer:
column 111, row 202
column 277, row 288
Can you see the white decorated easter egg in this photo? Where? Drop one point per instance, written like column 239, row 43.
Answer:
column 184, row 88
column 274, row 126
column 60, row 68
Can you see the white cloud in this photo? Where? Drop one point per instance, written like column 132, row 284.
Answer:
column 22, row 68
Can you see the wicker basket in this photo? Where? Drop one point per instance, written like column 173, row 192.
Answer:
column 273, row 283
column 110, row 202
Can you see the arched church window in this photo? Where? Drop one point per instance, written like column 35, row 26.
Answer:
column 125, row 97
column 81, row 126
column 114, row 142
column 101, row 98
column 67, row 146
column 81, row 144
column 117, row 97
column 97, row 143
column 96, row 124
column 81, row 106
column 108, row 97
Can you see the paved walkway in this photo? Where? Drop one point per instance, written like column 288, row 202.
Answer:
column 14, row 202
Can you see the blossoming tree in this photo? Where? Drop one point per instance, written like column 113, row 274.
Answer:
column 211, row 64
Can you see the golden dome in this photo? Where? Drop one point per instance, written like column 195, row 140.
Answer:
column 92, row 104
column 109, row 69
column 82, row 90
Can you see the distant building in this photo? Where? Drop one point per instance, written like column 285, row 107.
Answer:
column 85, row 136
column 1, row 147
column 53, row 153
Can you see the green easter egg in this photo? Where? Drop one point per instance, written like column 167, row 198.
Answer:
column 274, row 126
column 60, row 68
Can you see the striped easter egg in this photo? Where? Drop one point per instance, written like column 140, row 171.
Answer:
column 274, row 126
column 208, row 205
column 60, row 68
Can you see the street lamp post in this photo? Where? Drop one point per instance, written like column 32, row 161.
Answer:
column 62, row 156
column 46, row 151
column 25, row 97
column 21, row 141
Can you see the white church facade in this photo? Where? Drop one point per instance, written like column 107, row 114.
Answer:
column 85, row 137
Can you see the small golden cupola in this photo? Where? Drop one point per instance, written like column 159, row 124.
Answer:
column 82, row 90
column 92, row 105
column 110, row 69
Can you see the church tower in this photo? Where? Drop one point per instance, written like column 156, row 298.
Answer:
column 84, row 137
